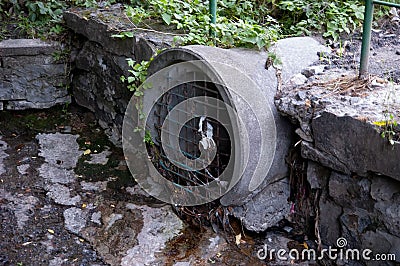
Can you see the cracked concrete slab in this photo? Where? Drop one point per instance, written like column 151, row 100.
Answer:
column 62, row 195
column 60, row 150
column 54, row 174
column 94, row 186
column 75, row 219
column 99, row 158
column 159, row 225
column 22, row 206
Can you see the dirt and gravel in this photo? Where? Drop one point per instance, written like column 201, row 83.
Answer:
column 384, row 59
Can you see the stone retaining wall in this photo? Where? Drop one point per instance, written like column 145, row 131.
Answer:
column 99, row 61
column 355, row 171
column 32, row 75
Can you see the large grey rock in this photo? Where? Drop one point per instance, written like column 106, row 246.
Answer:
column 61, row 153
column 329, row 217
column 356, row 221
column 349, row 191
column 267, row 208
column 97, row 86
column 322, row 157
column 98, row 25
column 340, row 123
column 383, row 188
column 56, row 174
column 98, row 31
column 317, row 175
column 61, row 194
column 390, row 211
column 361, row 198
column 382, row 243
column 356, row 144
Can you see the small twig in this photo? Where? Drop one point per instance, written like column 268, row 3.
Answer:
column 152, row 30
column 317, row 220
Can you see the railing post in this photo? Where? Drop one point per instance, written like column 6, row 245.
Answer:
column 366, row 38
column 213, row 14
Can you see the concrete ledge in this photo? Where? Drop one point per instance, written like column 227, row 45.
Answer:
column 17, row 47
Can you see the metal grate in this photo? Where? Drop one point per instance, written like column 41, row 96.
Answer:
column 189, row 136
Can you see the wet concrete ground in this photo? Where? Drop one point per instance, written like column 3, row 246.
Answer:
column 67, row 198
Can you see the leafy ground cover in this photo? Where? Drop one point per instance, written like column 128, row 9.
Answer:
column 243, row 23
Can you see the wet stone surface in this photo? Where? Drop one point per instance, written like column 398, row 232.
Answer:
column 68, row 199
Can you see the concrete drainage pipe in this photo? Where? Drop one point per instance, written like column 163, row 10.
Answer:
column 210, row 126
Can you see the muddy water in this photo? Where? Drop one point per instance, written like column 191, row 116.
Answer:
column 67, row 198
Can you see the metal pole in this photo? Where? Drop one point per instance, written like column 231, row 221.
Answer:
column 213, row 13
column 378, row 2
column 366, row 39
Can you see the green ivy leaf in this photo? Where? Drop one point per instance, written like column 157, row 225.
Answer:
column 128, row 34
column 138, row 93
column 167, row 18
column 131, row 79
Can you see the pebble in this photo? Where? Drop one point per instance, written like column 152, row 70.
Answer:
column 298, row 79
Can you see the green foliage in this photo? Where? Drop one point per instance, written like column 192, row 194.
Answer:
column 39, row 18
column 239, row 23
column 34, row 18
column 330, row 17
column 50, row 10
column 137, row 14
column 123, row 35
column 244, row 23
column 251, row 23
column 389, row 127
column 138, row 76
column 91, row 3
column 136, row 81
column 147, row 138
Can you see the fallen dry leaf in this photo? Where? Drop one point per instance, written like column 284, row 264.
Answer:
column 238, row 238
